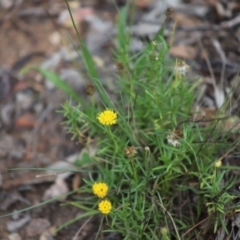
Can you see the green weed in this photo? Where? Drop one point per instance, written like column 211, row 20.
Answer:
column 160, row 167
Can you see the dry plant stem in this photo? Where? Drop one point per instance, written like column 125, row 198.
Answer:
column 46, row 175
column 209, row 65
column 172, row 34
column 227, row 153
column 206, row 140
column 169, row 215
column 174, row 225
column 191, row 120
column 81, row 228
column 192, row 215
column 189, row 230
column 230, row 234
column 218, row 48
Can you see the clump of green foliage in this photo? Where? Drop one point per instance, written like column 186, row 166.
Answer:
column 161, row 175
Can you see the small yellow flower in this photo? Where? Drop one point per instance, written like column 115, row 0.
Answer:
column 105, row 206
column 165, row 232
column 100, row 189
column 107, row 117
column 154, row 43
column 218, row 163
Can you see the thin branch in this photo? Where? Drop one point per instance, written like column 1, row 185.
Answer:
column 189, row 230
column 81, row 228
column 169, row 215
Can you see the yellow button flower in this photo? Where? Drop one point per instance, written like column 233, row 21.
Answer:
column 218, row 163
column 105, row 206
column 107, row 117
column 100, row 189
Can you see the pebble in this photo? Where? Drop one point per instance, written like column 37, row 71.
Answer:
column 14, row 236
column 45, row 236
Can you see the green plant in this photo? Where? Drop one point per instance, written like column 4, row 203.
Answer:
column 160, row 170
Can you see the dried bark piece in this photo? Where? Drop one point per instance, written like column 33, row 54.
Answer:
column 27, row 120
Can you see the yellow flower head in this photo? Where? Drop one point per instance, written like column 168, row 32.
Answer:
column 100, row 189
column 107, row 117
column 218, row 163
column 105, row 206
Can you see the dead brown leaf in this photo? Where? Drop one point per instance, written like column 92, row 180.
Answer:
column 76, row 181
column 143, row 3
column 204, row 115
column 26, row 120
column 186, row 21
column 183, row 51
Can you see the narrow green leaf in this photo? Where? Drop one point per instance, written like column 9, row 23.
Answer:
column 56, row 80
